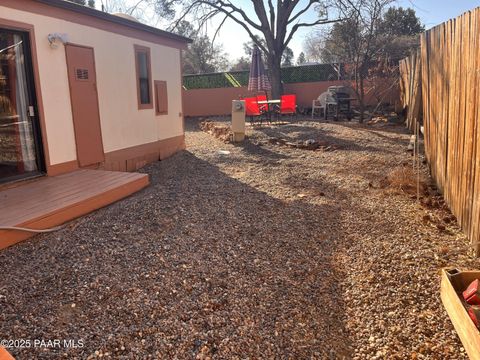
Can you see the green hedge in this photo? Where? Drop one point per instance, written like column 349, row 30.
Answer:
column 294, row 74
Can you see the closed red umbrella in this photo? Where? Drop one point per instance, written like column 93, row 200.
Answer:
column 258, row 79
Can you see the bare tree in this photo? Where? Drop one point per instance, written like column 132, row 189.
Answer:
column 202, row 56
column 272, row 28
column 314, row 43
column 287, row 56
column 241, row 64
column 357, row 42
column 276, row 23
column 370, row 43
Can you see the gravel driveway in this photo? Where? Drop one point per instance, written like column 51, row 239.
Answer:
column 251, row 251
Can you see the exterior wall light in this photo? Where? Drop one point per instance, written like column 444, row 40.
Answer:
column 56, row 38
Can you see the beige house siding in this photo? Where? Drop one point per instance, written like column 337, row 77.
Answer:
column 123, row 125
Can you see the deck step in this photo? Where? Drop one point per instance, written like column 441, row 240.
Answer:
column 52, row 201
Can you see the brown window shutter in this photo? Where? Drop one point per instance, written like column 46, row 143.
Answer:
column 161, row 97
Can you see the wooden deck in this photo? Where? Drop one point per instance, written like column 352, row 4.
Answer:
column 52, row 201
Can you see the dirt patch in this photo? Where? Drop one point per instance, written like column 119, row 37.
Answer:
column 219, row 131
column 310, row 144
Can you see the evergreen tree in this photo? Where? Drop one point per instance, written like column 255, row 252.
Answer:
column 301, row 59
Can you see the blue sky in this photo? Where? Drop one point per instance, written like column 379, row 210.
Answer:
column 435, row 12
column 232, row 36
column 431, row 13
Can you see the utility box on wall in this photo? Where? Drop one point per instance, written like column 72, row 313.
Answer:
column 238, row 120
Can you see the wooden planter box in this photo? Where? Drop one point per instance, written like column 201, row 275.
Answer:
column 454, row 282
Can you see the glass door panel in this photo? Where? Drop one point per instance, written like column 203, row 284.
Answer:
column 19, row 140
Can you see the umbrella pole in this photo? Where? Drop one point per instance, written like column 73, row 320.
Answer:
column 269, row 110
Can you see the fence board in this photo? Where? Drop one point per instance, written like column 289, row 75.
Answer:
column 474, row 232
column 411, row 90
column 470, row 125
column 448, row 68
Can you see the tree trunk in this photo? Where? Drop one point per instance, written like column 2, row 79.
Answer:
column 362, row 99
column 274, row 68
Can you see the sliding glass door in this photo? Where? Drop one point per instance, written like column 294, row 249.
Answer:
column 20, row 144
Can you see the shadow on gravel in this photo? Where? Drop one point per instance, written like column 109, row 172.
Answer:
column 259, row 151
column 198, row 263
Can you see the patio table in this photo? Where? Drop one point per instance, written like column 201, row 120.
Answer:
column 269, row 101
column 270, row 109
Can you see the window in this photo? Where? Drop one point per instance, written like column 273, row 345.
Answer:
column 161, row 98
column 143, row 67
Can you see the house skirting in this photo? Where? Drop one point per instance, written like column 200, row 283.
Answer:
column 133, row 158
column 128, row 159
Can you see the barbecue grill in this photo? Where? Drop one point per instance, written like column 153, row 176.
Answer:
column 336, row 101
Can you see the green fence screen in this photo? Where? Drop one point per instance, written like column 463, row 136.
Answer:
column 293, row 74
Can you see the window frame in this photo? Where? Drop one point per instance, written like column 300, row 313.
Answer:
column 158, row 96
column 146, row 51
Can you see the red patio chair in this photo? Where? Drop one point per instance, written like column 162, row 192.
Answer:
column 288, row 105
column 251, row 108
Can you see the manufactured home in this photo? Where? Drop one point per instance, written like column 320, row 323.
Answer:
column 83, row 90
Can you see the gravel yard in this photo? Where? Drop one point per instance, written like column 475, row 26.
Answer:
column 244, row 251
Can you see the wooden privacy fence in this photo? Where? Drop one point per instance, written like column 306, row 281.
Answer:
column 411, row 89
column 449, row 63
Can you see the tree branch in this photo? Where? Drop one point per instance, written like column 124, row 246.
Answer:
column 284, row 10
column 299, row 25
column 301, row 12
column 218, row 29
column 272, row 16
column 231, row 15
column 221, row 5
column 182, row 17
column 133, row 8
